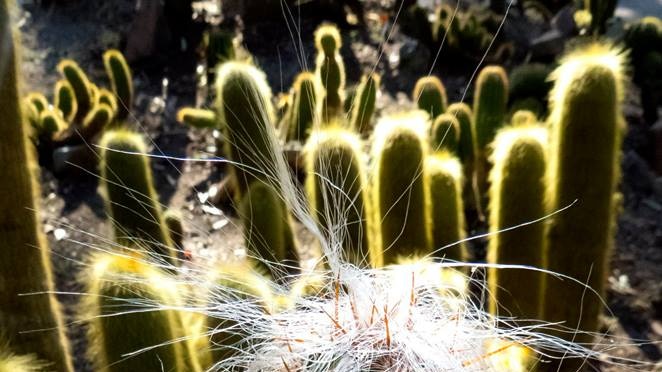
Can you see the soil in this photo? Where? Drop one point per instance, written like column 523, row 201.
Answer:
column 73, row 211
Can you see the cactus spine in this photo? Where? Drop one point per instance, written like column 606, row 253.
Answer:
column 489, row 107
column 364, row 103
column 517, row 195
column 70, row 70
column 579, row 240
column 301, row 114
column 10, row 362
column 430, row 96
column 119, row 325
column 335, row 187
column 400, row 191
column 131, row 201
column 445, row 133
column 445, row 184
column 25, row 266
column 121, row 81
column 330, row 70
column 65, row 100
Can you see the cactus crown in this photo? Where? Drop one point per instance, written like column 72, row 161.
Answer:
column 327, row 39
column 413, row 121
column 430, row 96
column 507, row 137
column 445, row 132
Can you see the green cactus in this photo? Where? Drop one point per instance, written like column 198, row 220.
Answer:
column 65, row 100
column 25, row 266
column 38, row 100
column 523, row 117
column 430, row 96
column 489, row 107
column 121, row 81
column 644, row 39
column 301, row 113
column 175, row 226
column 335, row 187
column 266, row 226
column 445, row 133
column 529, row 81
column 330, row 70
column 579, row 240
column 445, row 188
column 82, row 87
column 220, row 48
column 10, row 362
column 132, row 203
column 125, row 313
column 517, row 194
column 197, row 118
column 400, row 192
column 107, row 97
column 364, row 103
column 50, row 123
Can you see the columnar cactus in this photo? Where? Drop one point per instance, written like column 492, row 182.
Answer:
column 25, row 265
column 175, row 225
column 197, row 118
column 121, row 81
column 65, row 100
column 445, row 133
column 364, row 103
column 330, row 70
column 132, row 203
column 489, row 107
column 529, row 82
column 430, row 96
column 517, row 194
column 445, row 187
column 579, row 240
column 70, row 70
column 107, row 97
column 125, row 310
column 335, row 186
column 523, row 117
column 301, row 112
column 400, row 192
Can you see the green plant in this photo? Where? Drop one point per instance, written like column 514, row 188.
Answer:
column 430, row 96
column 364, row 103
column 132, row 203
column 197, row 118
column 10, row 362
column 220, row 48
column 530, row 81
column 301, row 113
column 489, row 107
column 517, row 194
column 445, row 133
column 25, row 266
column 79, row 82
column 400, row 192
column 445, row 188
column 523, row 117
column 65, row 100
column 127, row 312
column 107, row 97
column 121, row 81
column 175, row 225
column 579, row 240
column 330, row 70
column 335, row 187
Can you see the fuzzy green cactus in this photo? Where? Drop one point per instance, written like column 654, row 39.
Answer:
column 125, row 313
column 107, row 97
column 121, row 81
column 445, row 187
column 10, row 362
column 336, row 192
column 65, row 100
column 330, row 70
column 430, row 96
column 50, row 123
column 219, row 45
column 364, row 103
column 523, row 117
column 301, row 113
column 489, row 106
column 579, row 240
column 175, row 225
column 644, row 39
column 132, row 203
column 25, row 266
column 517, row 194
column 530, row 81
column 445, row 133
column 38, row 100
column 400, row 192
column 70, row 70
column 197, row 118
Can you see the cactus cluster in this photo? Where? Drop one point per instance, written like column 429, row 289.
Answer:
column 330, row 69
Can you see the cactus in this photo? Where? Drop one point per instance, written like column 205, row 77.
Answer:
column 131, row 201
column 121, row 81
column 125, row 313
column 523, row 117
column 430, row 96
column 489, row 106
column 400, row 192
column 38, row 100
column 301, row 113
column 445, row 188
column 25, row 266
column 517, row 195
column 219, row 47
column 197, row 118
column 70, row 70
column 107, row 97
column 529, row 81
column 50, row 123
column 65, row 100
column 579, row 240
column 445, row 133
column 644, row 39
column 364, row 103
column 10, row 362
column 335, row 187
column 173, row 221
column 330, row 70
column 94, row 123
